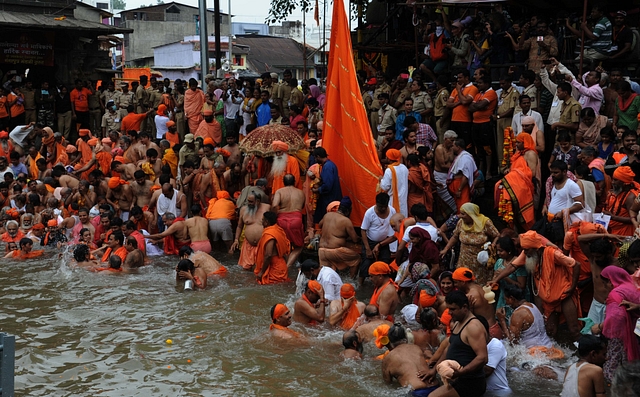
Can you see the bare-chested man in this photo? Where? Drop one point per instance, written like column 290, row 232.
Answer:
column 64, row 180
column 233, row 148
column 130, row 153
column 126, row 171
column 198, row 227
column 251, row 223
column 207, row 181
column 443, row 158
column 464, row 280
column 135, row 257
column 345, row 311
column 385, row 294
column 600, row 251
column 100, row 185
column 141, row 189
column 404, row 361
column 233, row 180
column 336, row 230
column 144, row 144
column 288, row 203
column 177, row 230
column 83, row 195
column 154, row 163
column 84, row 223
column 310, row 307
column 120, row 196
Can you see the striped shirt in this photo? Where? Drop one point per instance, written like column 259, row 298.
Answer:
column 603, row 31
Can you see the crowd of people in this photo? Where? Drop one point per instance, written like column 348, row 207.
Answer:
column 154, row 168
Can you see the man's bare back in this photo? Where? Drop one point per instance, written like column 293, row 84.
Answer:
column 336, row 230
column 404, row 362
column 197, row 228
column 68, row 181
column 288, row 199
column 134, row 259
column 366, row 330
column 479, row 305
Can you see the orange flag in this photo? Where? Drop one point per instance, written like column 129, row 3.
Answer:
column 316, row 14
column 347, row 136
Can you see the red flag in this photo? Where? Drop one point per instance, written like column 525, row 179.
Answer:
column 347, row 135
column 316, row 14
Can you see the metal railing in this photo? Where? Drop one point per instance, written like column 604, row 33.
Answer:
column 7, row 364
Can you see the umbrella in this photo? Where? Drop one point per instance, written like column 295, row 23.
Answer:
column 259, row 140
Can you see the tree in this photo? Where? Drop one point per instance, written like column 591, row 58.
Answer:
column 119, row 4
column 281, row 9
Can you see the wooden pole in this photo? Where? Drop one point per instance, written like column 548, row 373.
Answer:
column 584, row 18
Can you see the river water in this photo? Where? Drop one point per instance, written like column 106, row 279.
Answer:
column 86, row 334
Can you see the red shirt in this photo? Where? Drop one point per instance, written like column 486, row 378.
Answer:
column 80, row 99
column 132, row 121
column 484, row 116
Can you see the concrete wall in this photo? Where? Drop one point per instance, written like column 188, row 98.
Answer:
column 250, row 28
column 176, row 54
column 87, row 14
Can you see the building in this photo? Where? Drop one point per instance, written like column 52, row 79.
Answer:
column 239, row 28
column 275, row 54
column 56, row 41
column 181, row 60
column 162, row 24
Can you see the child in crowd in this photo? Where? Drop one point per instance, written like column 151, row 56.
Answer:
column 565, row 151
column 607, row 144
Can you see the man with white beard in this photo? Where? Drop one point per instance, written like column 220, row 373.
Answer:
column 555, row 277
column 283, row 164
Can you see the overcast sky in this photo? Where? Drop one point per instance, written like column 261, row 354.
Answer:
column 242, row 10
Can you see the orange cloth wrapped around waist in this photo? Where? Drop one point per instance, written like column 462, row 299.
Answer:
column 18, row 254
column 339, row 258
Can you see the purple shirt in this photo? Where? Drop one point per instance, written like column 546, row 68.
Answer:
column 425, row 135
column 590, row 97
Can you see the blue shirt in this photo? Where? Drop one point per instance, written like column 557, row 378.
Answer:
column 328, row 191
column 263, row 114
column 19, row 169
column 400, row 123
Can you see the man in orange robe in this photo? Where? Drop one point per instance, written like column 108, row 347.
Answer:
column 193, row 101
column 281, row 317
column 620, row 201
column 25, row 251
column 283, row 164
column 6, row 147
column 517, row 187
column 385, row 295
column 273, row 246
column 13, row 234
column 32, row 158
column 169, row 157
column 555, row 278
column 420, row 185
column 172, row 133
column 209, row 128
column 115, row 246
column 346, row 310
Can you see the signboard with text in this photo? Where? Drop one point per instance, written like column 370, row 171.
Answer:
column 27, row 48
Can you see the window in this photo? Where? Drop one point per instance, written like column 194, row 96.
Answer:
column 102, row 6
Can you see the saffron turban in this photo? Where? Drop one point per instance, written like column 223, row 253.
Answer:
column 379, row 268
column 624, row 174
column 279, row 146
column 209, row 141
column 426, row 299
column 530, row 240
column 84, row 132
column 52, row 223
column 120, row 159
column 115, row 181
column 38, row 226
column 333, row 206
column 92, row 142
column 208, row 113
column 393, row 154
column 463, row 274
column 381, row 333
column 71, row 149
column 106, row 141
column 162, row 109
column 347, row 291
column 314, row 286
column 279, row 311
column 4, row 135
column 222, row 194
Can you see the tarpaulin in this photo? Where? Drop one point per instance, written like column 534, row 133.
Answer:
column 347, row 136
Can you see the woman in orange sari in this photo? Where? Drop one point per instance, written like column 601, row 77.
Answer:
column 514, row 193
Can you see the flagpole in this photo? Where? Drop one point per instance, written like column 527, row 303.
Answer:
column 324, row 37
column 304, row 44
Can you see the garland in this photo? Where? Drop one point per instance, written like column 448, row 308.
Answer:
column 509, row 147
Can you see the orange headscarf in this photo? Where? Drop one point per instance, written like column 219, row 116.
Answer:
column 347, row 291
column 463, row 274
column 379, row 268
column 314, row 286
column 394, row 155
column 382, row 335
column 427, row 300
column 279, row 311
column 531, row 240
column 161, row 110
column 529, row 143
column 222, row 194
column 115, row 181
column 624, row 174
column 279, row 146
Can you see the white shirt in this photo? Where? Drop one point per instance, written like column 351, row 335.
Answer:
column 433, row 232
column 402, row 178
column 497, row 361
column 19, row 135
column 331, row 283
column 516, row 123
column 161, row 126
column 377, row 228
column 565, row 197
column 7, row 171
column 232, row 104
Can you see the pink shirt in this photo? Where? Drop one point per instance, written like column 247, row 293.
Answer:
column 590, row 97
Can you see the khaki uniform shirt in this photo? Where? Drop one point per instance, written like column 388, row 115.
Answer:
column 421, row 102
column 111, row 96
column 142, row 98
column 125, row 100
column 570, row 112
column 94, row 101
column 387, row 117
column 29, row 99
column 532, row 91
column 109, row 122
column 386, row 88
column 440, row 102
column 508, row 100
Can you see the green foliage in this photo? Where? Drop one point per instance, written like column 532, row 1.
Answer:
column 119, row 4
column 281, row 9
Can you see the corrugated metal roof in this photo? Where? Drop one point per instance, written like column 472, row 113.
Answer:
column 269, row 53
column 39, row 21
